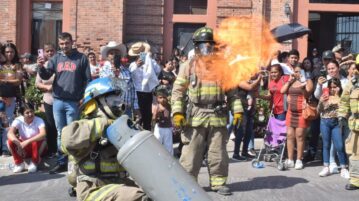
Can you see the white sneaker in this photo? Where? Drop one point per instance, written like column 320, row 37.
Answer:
column 32, row 168
column 298, row 165
column 289, row 163
column 232, row 136
column 333, row 168
column 345, row 173
column 19, row 168
column 325, row 172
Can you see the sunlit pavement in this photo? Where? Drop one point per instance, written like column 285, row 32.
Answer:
column 246, row 182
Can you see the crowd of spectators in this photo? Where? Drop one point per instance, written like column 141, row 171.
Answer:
column 286, row 83
column 61, row 77
column 317, row 81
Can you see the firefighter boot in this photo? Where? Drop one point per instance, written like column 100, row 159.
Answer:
column 72, row 192
column 222, row 190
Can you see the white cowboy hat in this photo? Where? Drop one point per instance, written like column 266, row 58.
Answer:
column 113, row 45
column 138, row 47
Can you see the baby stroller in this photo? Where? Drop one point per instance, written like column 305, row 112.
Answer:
column 273, row 146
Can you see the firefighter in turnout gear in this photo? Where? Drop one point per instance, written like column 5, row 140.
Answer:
column 349, row 112
column 201, row 108
column 94, row 171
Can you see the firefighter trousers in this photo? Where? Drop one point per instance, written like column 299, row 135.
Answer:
column 196, row 141
column 111, row 192
column 352, row 147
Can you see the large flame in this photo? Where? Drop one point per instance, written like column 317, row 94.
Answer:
column 242, row 48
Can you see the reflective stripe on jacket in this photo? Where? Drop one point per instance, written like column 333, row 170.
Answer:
column 80, row 137
column 100, row 193
column 349, row 106
column 201, row 92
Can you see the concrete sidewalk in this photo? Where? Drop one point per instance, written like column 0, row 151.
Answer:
column 247, row 183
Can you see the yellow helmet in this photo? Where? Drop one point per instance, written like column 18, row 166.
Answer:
column 357, row 59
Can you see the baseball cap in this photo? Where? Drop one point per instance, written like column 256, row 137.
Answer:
column 328, row 54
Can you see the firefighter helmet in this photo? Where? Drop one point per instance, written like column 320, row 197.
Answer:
column 98, row 88
column 203, row 34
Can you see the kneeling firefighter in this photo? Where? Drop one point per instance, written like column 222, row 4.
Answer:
column 104, row 152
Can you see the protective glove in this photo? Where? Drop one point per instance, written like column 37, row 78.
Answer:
column 237, row 118
column 178, row 120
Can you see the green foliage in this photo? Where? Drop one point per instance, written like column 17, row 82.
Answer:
column 264, row 104
column 32, row 94
column 260, row 127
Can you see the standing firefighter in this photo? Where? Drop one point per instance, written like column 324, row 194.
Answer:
column 93, row 168
column 206, row 115
column 349, row 107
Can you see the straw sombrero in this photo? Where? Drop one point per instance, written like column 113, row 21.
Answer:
column 139, row 47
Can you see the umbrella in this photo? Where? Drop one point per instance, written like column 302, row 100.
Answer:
column 289, row 31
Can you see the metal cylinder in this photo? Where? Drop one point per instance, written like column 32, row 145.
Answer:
column 157, row 172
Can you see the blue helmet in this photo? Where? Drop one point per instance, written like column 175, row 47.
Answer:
column 103, row 86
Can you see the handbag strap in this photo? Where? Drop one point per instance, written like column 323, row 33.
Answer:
column 285, row 106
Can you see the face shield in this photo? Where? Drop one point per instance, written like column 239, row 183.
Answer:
column 116, row 104
column 116, row 101
column 205, row 49
column 112, row 102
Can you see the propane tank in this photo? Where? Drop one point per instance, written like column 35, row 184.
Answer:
column 158, row 173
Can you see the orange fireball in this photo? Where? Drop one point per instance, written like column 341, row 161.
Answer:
column 241, row 51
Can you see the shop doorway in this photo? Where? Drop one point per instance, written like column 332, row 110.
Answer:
column 46, row 24
column 182, row 36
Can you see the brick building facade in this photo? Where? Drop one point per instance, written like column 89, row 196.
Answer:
column 160, row 22
column 8, row 20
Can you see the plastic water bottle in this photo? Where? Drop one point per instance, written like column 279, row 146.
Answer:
column 259, row 164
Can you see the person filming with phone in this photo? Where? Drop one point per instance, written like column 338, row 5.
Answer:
column 112, row 67
column 144, row 74
column 45, row 86
column 332, row 71
column 72, row 73
column 330, row 128
column 319, row 70
column 298, row 89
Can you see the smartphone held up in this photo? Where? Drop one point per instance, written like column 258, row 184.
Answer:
column 143, row 56
column 117, row 61
column 325, row 93
column 302, row 77
column 323, row 73
column 40, row 53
